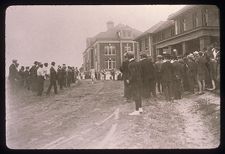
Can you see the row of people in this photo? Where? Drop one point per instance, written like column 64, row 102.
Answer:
column 34, row 78
column 170, row 75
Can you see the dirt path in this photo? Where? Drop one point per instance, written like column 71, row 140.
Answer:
column 96, row 116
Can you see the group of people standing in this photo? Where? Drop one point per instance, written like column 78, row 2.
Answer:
column 170, row 75
column 34, row 78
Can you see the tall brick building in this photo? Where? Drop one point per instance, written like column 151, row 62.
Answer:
column 192, row 28
column 106, row 49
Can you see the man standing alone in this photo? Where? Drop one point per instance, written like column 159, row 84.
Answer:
column 53, row 78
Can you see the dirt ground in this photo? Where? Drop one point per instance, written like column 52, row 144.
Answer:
column 95, row 116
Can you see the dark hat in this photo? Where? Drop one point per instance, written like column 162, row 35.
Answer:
column 143, row 55
column 53, row 63
column 14, row 61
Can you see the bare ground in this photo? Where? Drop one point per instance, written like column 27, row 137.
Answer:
column 96, row 116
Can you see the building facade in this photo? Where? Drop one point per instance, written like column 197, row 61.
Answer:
column 106, row 50
column 192, row 28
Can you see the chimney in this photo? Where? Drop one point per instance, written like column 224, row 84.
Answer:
column 110, row 25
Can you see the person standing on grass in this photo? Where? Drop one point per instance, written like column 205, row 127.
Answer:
column 135, row 82
column 158, row 65
column 167, row 78
column 27, row 78
column 60, row 77
column 92, row 75
column 13, row 75
column 33, row 76
column 40, row 79
column 53, row 78
column 124, row 70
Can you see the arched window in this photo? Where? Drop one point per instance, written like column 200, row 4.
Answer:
column 110, row 50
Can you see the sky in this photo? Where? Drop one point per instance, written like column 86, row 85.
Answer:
column 58, row 33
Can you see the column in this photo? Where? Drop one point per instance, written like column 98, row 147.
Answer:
column 121, row 53
column 184, row 48
column 204, row 42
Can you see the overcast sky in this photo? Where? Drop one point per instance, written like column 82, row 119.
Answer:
column 58, row 33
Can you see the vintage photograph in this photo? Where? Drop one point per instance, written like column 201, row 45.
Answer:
column 112, row 76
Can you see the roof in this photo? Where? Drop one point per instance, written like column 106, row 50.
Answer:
column 112, row 34
column 150, row 30
column 164, row 25
column 181, row 11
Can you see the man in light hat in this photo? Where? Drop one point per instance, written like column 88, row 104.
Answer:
column 135, row 82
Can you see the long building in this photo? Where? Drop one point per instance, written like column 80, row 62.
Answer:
column 192, row 28
column 105, row 51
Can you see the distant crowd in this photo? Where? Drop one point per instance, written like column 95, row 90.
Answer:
column 170, row 75
column 33, row 78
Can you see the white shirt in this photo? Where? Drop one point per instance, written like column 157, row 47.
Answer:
column 46, row 70
column 40, row 72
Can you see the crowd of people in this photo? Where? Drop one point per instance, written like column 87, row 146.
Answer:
column 170, row 76
column 33, row 78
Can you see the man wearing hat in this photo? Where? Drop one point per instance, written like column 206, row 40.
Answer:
column 158, row 66
column 13, row 75
column 135, row 82
column 124, row 70
column 147, row 74
column 40, row 79
column 27, row 78
column 53, row 78
column 192, row 72
column 33, row 75
column 167, row 77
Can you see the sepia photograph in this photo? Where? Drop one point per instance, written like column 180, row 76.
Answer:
column 112, row 77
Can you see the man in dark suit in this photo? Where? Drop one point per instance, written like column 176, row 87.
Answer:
column 167, row 78
column 135, row 82
column 53, row 78
column 124, row 70
column 33, row 76
column 13, row 75
column 40, row 79
column 60, row 77
column 147, row 73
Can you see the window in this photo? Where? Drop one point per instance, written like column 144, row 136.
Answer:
column 146, row 43
column 110, row 50
column 172, row 31
column 176, row 27
column 142, row 45
column 127, row 48
column 110, row 63
column 205, row 17
column 195, row 20
column 181, row 25
column 184, row 24
column 126, row 33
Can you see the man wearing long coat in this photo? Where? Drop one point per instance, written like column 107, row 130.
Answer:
column 148, row 76
column 135, row 82
column 124, row 70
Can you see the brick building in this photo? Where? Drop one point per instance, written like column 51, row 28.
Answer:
column 192, row 28
column 106, row 49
